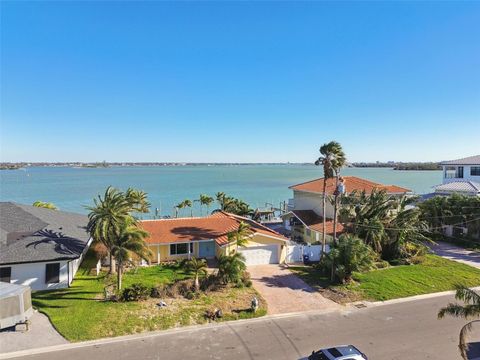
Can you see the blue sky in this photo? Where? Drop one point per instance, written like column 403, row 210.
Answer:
column 239, row 81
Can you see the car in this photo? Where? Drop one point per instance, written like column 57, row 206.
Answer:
column 342, row 352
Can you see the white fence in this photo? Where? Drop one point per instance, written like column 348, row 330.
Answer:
column 295, row 252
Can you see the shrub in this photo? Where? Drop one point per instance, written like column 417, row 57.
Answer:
column 158, row 292
column 350, row 255
column 136, row 292
column 231, row 268
column 210, row 283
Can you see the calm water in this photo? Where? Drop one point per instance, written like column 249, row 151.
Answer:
column 73, row 188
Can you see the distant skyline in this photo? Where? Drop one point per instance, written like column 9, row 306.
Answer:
column 238, row 81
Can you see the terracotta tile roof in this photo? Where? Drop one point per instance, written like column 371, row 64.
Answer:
column 352, row 183
column 216, row 227
column 315, row 222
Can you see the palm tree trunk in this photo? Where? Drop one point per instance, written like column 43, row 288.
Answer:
column 324, row 199
column 197, row 283
column 119, row 276
column 112, row 264
column 332, row 274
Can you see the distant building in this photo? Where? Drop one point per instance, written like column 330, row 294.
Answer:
column 460, row 176
column 39, row 247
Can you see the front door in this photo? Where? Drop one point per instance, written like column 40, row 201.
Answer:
column 206, row 249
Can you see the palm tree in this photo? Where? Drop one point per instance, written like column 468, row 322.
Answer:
column 220, row 196
column 470, row 310
column 45, row 205
column 130, row 240
column 197, row 267
column 240, row 236
column 231, row 268
column 188, row 203
column 332, row 159
column 205, row 200
column 179, row 206
column 111, row 212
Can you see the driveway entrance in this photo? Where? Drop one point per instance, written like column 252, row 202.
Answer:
column 284, row 292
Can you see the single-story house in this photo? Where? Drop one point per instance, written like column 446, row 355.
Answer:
column 207, row 237
column 39, row 247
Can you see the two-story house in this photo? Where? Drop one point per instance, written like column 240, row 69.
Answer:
column 305, row 217
column 460, row 176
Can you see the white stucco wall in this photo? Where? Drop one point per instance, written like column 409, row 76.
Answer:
column 311, row 201
column 466, row 174
column 33, row 275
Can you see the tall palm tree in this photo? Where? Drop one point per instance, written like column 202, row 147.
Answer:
column 205, row 200
column 111, row 212
column 106, row 218
column 332, row 159
column 188, row 203
column 45, row 205
column 220, row 196
column 198, row 267
column 179, row 206
column 240, row 236
column 470, row 310
column 130, row 240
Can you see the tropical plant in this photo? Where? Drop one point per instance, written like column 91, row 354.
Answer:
column 231, row 268
column 205, row 200
column 130, row 240
column 332, row 159
column 348, row 255
column 386, row 223
column 188, row 204
column 45, row 205
column 470, row 310
column 220, row 196
column 136, row 292
column 233, row 205
column 198, row 267
column 110, row 213
column 240, row 236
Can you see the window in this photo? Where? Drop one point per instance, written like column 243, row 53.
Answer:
column 309, row 232
column 52, row 273
column 6, row 274
column 475, row 171
column 180, row 249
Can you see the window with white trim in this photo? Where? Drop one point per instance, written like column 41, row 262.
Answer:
column 6, row 274
column 180, row 249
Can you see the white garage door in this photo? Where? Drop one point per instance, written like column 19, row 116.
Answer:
column 258, row 255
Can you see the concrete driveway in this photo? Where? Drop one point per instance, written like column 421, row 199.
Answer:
column 284, row 292
column 457, row 253
column 41, row 334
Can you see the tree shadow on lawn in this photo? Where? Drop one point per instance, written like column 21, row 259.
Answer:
column 64, row 295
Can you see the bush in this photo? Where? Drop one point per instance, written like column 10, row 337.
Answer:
column 136, row 292
column 210, row 283
column 349, row 255
column 158, row 292
column 231, row 268
column 180, row 288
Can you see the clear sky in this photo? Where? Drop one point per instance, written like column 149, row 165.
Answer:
column 239, row 81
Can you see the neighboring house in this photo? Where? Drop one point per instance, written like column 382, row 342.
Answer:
column 207, row 237
column 460, row 176
column 39, row 247
column 305, row 218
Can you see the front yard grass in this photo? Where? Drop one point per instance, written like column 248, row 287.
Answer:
column 435, row 274
column 79, row 312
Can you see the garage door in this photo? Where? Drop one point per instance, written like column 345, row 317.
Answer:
column 258, row 255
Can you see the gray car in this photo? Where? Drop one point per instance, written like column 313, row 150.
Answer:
column 342, row 352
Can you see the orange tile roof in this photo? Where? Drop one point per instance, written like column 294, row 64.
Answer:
column 315, row 222
column 216, row 227
column 352, row 183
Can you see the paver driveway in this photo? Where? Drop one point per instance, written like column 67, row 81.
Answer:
column 285, row 292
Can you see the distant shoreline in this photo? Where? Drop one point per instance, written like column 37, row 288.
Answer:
column 89, row 165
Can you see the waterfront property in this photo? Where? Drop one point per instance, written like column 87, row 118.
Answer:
column 305, row 218
column 207, row 237
column 460, row 176
column 39, row 247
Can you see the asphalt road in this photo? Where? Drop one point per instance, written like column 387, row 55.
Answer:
column 400, row 331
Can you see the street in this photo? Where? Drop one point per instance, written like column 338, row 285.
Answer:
column 399, row 331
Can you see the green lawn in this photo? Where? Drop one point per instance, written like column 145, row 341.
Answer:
column 434, row 275
column 79, row 313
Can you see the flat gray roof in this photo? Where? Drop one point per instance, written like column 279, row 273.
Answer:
column 471, row 160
